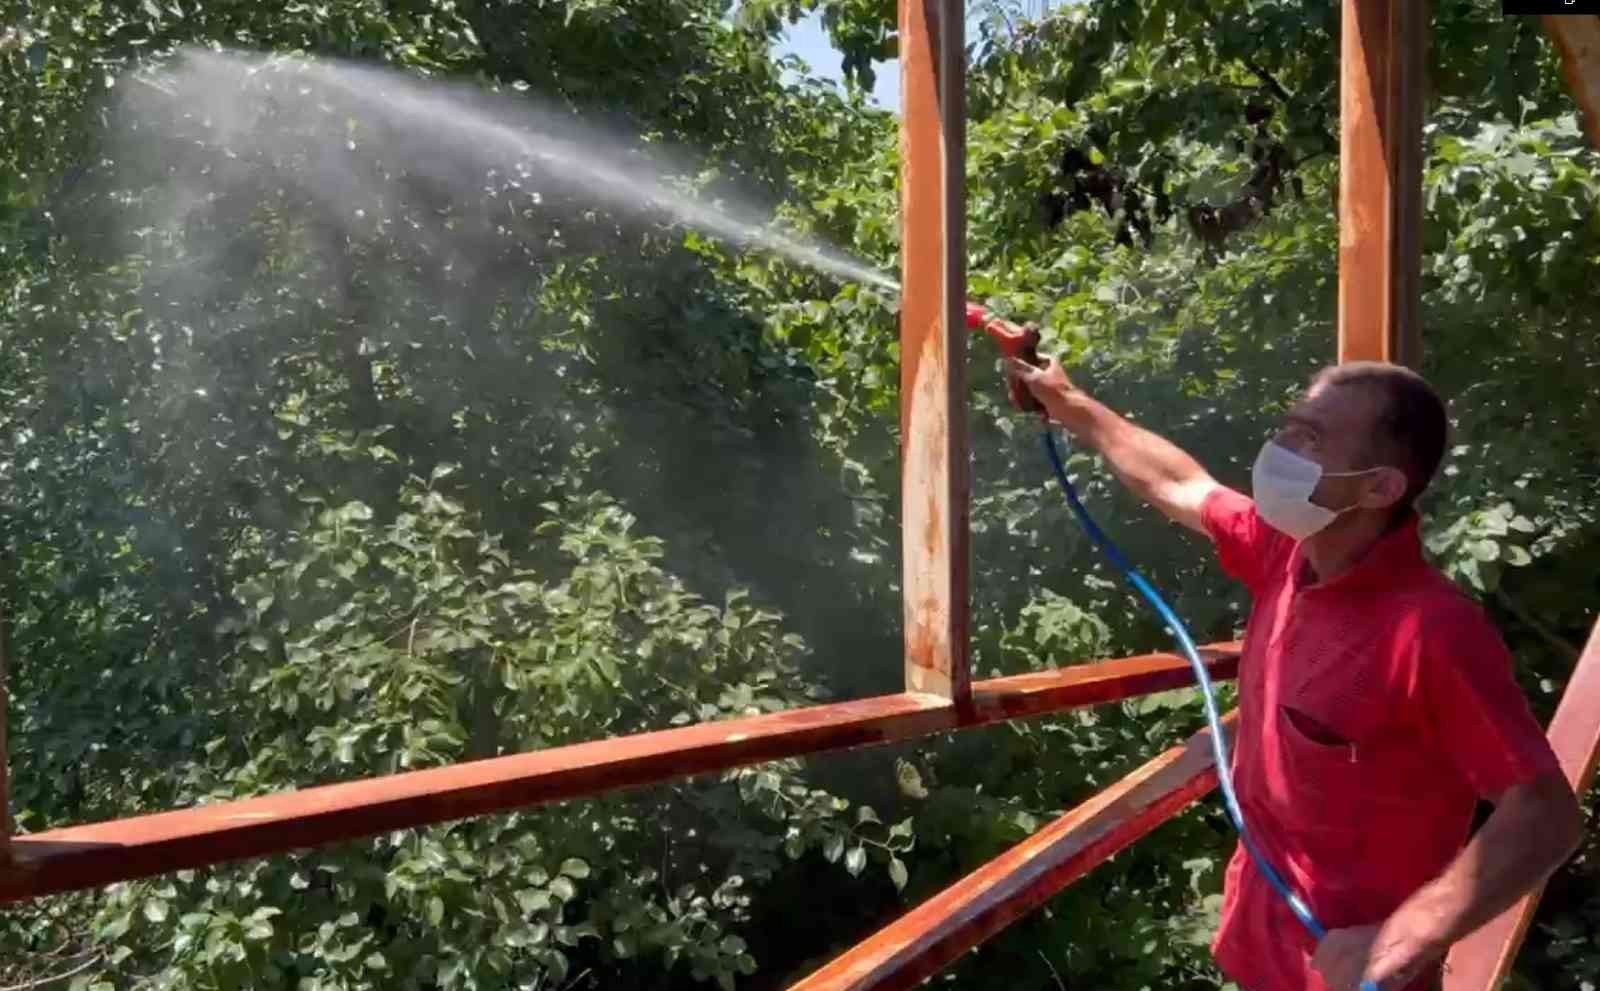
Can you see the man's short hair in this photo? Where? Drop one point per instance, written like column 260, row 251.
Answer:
column 1412, row 426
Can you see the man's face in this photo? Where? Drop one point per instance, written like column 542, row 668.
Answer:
column 1334, row 426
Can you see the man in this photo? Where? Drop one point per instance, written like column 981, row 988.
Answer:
column 1376, row 701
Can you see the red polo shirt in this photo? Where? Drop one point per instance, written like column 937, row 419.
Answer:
column 1374, row 711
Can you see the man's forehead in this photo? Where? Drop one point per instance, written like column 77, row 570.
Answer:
column 1333, row 407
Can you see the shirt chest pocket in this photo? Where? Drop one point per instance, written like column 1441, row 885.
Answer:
column 1321, row 777
column 1329, row 719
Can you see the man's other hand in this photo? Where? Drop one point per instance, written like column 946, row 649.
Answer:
column 1346, row 957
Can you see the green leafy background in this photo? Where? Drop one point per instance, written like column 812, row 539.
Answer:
column 283, row 508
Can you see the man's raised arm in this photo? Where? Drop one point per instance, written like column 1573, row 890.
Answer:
column 1155, row 469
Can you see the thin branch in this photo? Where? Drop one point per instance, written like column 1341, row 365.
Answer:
column 570, row 984
column 1011, row 27
column 41, row 982
column 60, row 951
column 1562, row 646
column 1267, row 79
column 1059, row 982
column 1309, row 157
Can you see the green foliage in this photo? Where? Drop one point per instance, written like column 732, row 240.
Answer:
column 286, row 507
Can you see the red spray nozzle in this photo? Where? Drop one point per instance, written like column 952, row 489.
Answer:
column 1014, row 342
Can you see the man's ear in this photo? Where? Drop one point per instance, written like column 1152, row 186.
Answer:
column 1388, row 487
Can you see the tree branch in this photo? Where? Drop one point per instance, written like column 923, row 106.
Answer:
column 1308, row 157
column 53, row 978
column 1267, row 80
column 570, row 984
column 1059, row 983
column 1563, row 647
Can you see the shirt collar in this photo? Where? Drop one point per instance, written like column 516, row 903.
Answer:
column 1397, row 551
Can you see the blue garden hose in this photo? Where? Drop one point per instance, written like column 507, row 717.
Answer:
column 1219, row 746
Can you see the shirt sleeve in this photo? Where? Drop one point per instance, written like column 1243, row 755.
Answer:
column 1247, row 547
column 1478, row 713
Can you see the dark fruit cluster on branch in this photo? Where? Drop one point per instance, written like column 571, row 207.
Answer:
column 1081, row 184
column 1274, row 168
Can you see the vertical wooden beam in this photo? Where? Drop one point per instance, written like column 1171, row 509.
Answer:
column 1380, row 180
column 1481, row 961
column 5, row 761
column 933, row 423
column 1577, row 40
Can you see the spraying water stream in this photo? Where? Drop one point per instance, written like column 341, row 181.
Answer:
column 454, row 135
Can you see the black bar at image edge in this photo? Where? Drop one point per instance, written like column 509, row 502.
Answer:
column 1513, row 8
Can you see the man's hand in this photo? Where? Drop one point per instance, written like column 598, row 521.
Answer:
column 1049, row 384
column 1346, row 957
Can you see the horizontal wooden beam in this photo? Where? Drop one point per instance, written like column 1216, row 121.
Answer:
column 960, row 917
column 1577, row 41
column 1481, row 961
column 123, row 849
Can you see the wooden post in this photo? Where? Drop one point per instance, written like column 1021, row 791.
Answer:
column 5, row 760
column 1380, row 180
column 933, row 424
column 1577, row 39
column 1482, row 960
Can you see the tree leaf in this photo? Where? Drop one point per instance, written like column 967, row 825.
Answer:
column 533, row 899
column 855, row 861
column 897, row 873
column 833, row 847
column 909, row 779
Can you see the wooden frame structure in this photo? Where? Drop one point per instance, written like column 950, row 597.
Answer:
column 1577, row 41
column 941, row 929
column 934, row 486
column 1380, row 180
column 5, row 751
column 123, row 849
column 1481, row 961
column 1380, row 222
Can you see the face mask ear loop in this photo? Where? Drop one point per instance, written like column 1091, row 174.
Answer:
column 1351, row 474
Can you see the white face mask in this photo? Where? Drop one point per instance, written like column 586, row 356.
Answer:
column 1282, row 482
